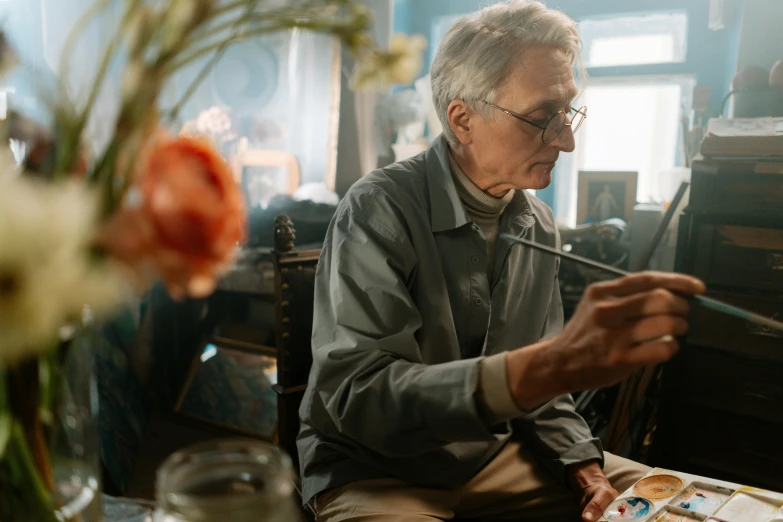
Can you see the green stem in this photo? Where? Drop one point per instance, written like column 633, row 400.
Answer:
column 78, row 30
column 108, row 55
column 38, row 498
column 266, row 16
column 219, row 49
column 195, row 55
column 286, row 24
column 66, row 155
column 227, row 8
column 103, row 174
column 49, row 383
column 6, row 419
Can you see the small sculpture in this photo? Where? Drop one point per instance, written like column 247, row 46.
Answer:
column 284, row 234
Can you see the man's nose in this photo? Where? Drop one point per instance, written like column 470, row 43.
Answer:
column 565, row 140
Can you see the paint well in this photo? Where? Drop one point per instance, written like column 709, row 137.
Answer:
column 633, row 508
column 658, row 487
column 700, row 499
column 743, row 507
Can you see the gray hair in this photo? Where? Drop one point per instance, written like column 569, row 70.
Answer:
column 473, row 59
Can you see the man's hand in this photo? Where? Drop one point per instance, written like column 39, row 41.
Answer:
column 619, row 326
column 589, row 481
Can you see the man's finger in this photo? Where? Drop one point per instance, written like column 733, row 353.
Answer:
column 618, row 312
column 658, row 326
column 595, row 508
column 646, row 281
column 654, row 352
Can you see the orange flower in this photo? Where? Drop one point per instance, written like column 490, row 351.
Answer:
column 183, row 218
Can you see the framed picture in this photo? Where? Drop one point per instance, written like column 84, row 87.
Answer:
column 605, row 195
column 230, row 386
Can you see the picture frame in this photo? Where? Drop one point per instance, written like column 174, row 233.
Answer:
column 605, row 194
column 229, row 386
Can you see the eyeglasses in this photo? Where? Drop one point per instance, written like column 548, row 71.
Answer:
column 556, row 123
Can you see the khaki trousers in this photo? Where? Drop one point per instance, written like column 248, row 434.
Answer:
column 511, row 487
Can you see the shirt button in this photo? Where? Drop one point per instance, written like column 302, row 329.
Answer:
column 475, row 259
column 478, row 301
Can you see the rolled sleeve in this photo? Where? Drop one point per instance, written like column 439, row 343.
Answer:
column 371, row 380
column 556, row 434
column 559, row 437
column 494, row 391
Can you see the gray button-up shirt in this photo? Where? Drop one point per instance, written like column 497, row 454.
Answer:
column 404, row 313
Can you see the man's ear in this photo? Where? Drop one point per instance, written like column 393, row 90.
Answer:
column 460, row 119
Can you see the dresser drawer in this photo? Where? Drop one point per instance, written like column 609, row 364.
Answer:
column 729, row 383
column 737, row 256
column 717, row 330
column 737, row 188
column 733, row 444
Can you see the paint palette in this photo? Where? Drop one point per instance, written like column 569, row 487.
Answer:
column 747, row 506
column 675, row 514
column 658, row 487
column 629, row 508
column 702, row 498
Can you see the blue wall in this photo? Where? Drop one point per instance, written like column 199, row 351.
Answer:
column 711, row 55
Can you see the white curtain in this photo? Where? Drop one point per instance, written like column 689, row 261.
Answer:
column 365, row 102
column 357, row 146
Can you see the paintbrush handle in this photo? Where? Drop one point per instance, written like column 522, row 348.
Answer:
column 735, row 311
column 708, row 302
column 567, row 255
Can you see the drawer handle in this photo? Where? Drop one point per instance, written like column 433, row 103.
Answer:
column 775, row 261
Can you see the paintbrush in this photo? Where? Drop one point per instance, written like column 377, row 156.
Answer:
column 707, row 302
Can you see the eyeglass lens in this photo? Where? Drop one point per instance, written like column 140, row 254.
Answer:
column 556, row 124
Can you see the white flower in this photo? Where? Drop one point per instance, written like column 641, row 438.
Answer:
column 216, row 122
column 400, row 65
column 46, row 273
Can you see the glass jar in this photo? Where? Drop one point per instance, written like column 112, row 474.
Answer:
column 226, row 480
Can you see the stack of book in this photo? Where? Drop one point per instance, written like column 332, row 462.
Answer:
column 744, row 138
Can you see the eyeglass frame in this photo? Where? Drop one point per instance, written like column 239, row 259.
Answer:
column 581, row 110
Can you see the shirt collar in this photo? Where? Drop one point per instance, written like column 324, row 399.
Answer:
column 446, row 209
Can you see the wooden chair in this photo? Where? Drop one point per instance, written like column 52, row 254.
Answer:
column 294, row 293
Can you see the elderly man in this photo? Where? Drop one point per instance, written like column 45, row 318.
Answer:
column 441, row 366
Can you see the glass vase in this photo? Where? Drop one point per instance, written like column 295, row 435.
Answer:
column 75, row 443
column 226, row 480
column 50, row 464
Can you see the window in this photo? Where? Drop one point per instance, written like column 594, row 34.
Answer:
column 635, row 39
column 633, row 125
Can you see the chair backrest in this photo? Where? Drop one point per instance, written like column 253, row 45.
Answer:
column 294, row 292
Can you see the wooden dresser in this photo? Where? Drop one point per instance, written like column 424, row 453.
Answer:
column 722, row 403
